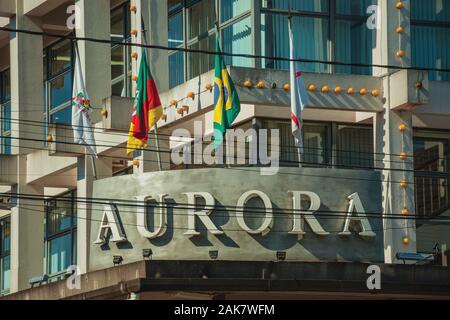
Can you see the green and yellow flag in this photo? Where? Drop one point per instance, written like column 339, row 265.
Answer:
column 226, row 100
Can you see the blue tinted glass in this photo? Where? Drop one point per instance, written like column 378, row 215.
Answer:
column 6, row 273
column 354, row 7
column 62, row 117
column 7, row 116
column 176, row 69
column 430, row 48
column 303, row 5
column 7, row 145
column 176, row 30
column 61, row 90
column 233, row 8
column 354, row 42
column 237, row 39
column 307, row 31
column 60, row 256
column 431, row 10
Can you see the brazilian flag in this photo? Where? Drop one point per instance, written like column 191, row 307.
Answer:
column 226, row 100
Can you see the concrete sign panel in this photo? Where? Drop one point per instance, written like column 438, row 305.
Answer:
column 308, row 214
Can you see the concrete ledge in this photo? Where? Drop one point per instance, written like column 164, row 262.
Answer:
column 7, row 8
column 241, row 276
column 63, row 144
column 119, row 111
column 405, row 95
column 8, row 169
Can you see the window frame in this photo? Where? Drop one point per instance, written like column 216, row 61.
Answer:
column 49, row 78
column 126, row 75
column 3, row 102
column 430, row 23
column 188, row 43
column 4, row 254
column 331, row 15
column 72, row 230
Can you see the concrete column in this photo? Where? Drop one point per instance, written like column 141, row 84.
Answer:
column 27, row 232
column 85, row 184
column 156, row 33
column 26, row 84
column 96, row 65
column 388, row 41
column 389, row 143
column 256, row 32
column 95, row 57
column 148, row 159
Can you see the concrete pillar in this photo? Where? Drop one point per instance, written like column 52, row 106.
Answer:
column 156, row 34
column 388, row 41
column 27, row 232
column 95, row 57
column 85, row 184
column 26, row 84
column 96, row 65
column 389, row 143
column 148, row 159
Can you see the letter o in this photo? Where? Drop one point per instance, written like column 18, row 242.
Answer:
column 265, row 227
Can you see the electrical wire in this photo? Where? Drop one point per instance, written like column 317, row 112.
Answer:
column 256, row 211
column 206, row 52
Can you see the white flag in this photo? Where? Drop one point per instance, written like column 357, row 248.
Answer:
column 81, row 106
column 299, row 95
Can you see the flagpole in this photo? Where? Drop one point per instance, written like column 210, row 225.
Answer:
column 155, row 127
column 227, row 163
column 87, row 154
column 292, row 76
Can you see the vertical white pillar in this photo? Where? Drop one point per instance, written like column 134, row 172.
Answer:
column 27, row 216
column 27, row 232
column 85, row 184
column 390, row 142
column 388, row 41
column 27, row 71
column 95, row 59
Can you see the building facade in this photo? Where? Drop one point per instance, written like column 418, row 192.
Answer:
column 371, row 182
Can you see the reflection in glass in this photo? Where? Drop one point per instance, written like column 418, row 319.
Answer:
column 237, row 40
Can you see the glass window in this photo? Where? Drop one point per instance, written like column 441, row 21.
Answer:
column 5, row 260
column 201, row 18
column 60, row 253
column 430, row 48
column 200, row 63
column 304, row 5
column 430, row 36
column 310, row 37
column 121, row 55
column 355, row 147
column 316, row 149
column 354, row 44
column 176, row 37
column 6, row 86
column 60, row 57
column 431, row 159
column 5, row 112
column 60, row 232
column 232, row 8
column 60, row 90
column 430, row 10
column 316, row 143
column 237, row 39
column 353, row 7
column 176, row 69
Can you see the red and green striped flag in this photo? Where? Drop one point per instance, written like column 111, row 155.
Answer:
column 147, row 108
